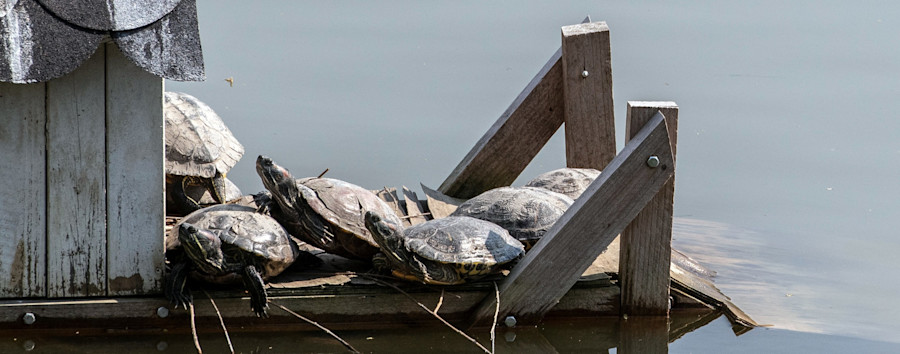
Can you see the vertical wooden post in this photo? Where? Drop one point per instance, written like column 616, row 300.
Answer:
column 640, row 335
column 76, row 181
column 587, row 92
column 135, row 177
column 646, row 244
column 23, row 188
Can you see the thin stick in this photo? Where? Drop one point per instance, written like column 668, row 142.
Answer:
column 496, row 313
column 323, row 173
column 414, row 216
column 221, row 321
column 440, row 301
column 194, row 329
column 314, row 323
column 431, row 312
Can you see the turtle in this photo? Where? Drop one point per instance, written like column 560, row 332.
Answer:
column 569, row 181
column 225, row 244
column 325, row 212
column 526, row 212
column 200, row 150
column 445, row 251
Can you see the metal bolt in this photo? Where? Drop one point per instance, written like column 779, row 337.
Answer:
column 29, row 318
column 28, row 345
column 653, row 161
column 585, row 73
column 162, row 312
column 510, row 321
column 510, row 336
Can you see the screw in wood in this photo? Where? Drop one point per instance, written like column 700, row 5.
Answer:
column 162, row 312
column 510, row 321
column 29, row 318
column 653, row 161
column 585, row 73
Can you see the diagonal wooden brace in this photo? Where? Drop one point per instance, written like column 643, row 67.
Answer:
column 607, row 206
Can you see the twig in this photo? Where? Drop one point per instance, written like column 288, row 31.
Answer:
column 496, row 313
column 194, row 329
column 314, row 323
column 440, row 301
column 429, row 311
column 414, row 216
column 323, row 173
column 221, row 321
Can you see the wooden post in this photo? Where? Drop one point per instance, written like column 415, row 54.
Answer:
column 23, row 189
column 76, row 181
column 640, row 335
column 587, row 91
column 646, row 243
column 557, row 261
column 135, row 177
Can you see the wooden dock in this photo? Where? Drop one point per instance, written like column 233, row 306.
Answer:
column 608, row 255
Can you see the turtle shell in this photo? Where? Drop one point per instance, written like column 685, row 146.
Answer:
column 245, row 231
column 526, row 212
column 569, row 181
column 197, row 141
column 343, row 205
column 463, row 241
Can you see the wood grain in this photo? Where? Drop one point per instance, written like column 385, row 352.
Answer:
column 414, row 211
column 76, row 181
column 22, row 191
column 588, row 100
column 557, row 261
column 440, row 204
column 646, row 244
column 135, row 177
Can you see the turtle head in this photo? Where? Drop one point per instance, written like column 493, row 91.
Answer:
column 387, row 235
column 278, row 180
column 203, row 247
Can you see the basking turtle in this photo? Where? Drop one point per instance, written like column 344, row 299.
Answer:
column 327, row 213
column 569, row 181
column 199, row 151
column 526, row 212
column 225, row 244
column 444, row 251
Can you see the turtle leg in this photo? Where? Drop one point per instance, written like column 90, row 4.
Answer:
column 254, row 284
column 216, row 186
column 176, row 289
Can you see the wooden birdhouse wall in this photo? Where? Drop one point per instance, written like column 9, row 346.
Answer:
column 81, row 182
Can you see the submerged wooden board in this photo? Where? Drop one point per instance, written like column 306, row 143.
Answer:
column 556, row 262
column 76, row 181
column 588, row 96
column 647, row 240
column 135, row 177
column 22, row 191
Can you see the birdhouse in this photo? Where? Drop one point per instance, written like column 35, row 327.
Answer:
column 81, row 142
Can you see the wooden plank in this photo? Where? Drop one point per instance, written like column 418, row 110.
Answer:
column 646, row 244
column 439, row 204
column 588, row 100
column 22, row 191
column 514, row 139
column 414, row 212
column 76, row 181
column 135, row 177
column 557, row 261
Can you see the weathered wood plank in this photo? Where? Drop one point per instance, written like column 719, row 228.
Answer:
column 414, row 212
column 135, row 177
column 514, row 139
column 646, row 244
column 439, row 204
column 588, row 99
column 76, row 181
column 22, row 190
column 557, row 261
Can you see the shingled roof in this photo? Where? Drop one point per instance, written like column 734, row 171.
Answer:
column 41, row 40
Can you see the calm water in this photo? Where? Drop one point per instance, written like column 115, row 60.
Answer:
column 787, row 168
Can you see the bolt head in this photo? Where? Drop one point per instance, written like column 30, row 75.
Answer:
column 510, row 321
column 653, row 161
column 585, row 73
column 29, row 318
column 162, row 312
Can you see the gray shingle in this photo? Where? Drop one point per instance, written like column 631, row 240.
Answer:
column 110, row 15
column 37, row 47
column 169, row 47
